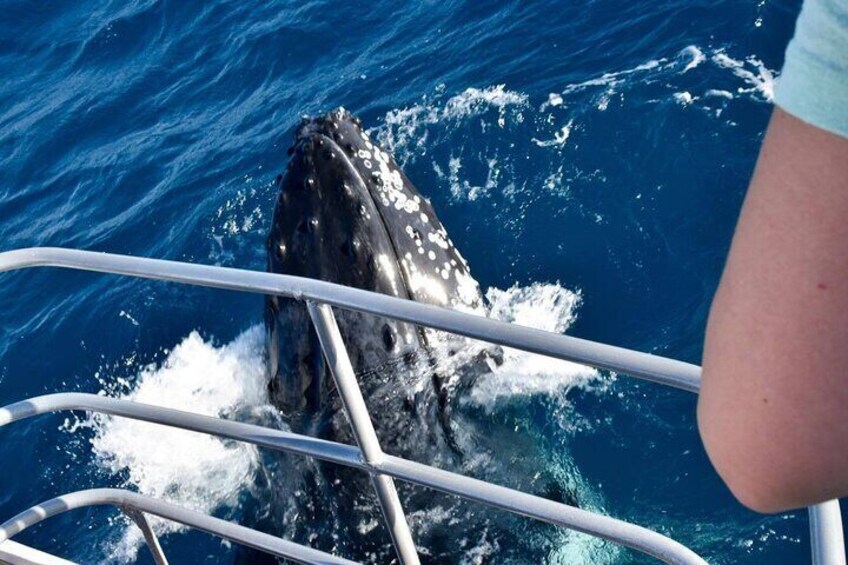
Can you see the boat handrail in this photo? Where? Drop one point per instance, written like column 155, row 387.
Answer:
column 642, row 365
column 136, row 506
column 825, row 520
column 578, row 519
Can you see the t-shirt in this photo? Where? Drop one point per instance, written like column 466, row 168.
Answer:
column 814, row 83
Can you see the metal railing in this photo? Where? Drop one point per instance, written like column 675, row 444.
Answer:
column 825, row 521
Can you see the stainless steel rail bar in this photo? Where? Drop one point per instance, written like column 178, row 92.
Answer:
column 647, row 541
column 126, row 499
column 14, row 553
column 150, row 536
column 643, row 365
column 617, row 531
column 826, row 537
column 363, row 429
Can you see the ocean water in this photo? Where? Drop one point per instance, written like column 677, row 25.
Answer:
column 588, row 159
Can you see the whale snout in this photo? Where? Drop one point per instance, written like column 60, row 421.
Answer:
column 339, row 127
column 326, row 223
column 327, row 226
column 347, row 214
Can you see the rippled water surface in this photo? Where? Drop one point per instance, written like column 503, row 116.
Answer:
column 588, row 158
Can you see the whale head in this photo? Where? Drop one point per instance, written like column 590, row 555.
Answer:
column 346, row 213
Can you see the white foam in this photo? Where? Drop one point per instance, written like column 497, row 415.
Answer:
column 474, row 100
column 612, row 79
column 719, row 93
column 238, row 214
column 192, row 470
column 560, row 137
column 464, row 189
column 753, row 71
column 547, row 307
column 684, row 98
column 760, row 80
column 695, row 55
column 553, row 101
column 409, row 132
column 405, row 129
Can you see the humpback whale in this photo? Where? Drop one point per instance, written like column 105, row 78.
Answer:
column 347, row 213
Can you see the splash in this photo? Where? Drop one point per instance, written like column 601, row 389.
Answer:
column 760, row 79
column 548, row 307
column 192, row 470
column 696, row 57
column 560, row 137
column 404, row 131
column 507, row 128
column 209, row 475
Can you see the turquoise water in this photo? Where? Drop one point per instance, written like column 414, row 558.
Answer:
column 588, row 159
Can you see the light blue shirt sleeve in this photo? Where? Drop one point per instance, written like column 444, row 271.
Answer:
column 814, row 83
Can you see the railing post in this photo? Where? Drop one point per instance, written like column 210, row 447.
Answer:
column 826, row 537
column 149, row 535
column 363, row 429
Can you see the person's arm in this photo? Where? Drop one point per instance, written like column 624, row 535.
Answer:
column 773, row 410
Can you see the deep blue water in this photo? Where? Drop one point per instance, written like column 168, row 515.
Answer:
column 604, row 145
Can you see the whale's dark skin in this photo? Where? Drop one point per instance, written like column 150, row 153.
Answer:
column 347, row 214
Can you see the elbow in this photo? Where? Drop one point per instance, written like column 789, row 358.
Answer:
column 744, row 440
column 751, row 490
column 757, row 498
column 745, row 461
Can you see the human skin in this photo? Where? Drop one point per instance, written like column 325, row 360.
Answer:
column 773, row 408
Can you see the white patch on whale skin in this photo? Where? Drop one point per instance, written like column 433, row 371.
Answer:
column 439, row 239
column 394, row 194
column 468, row 292
column 424, row 284
column 388, row 267
column 410, row 207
